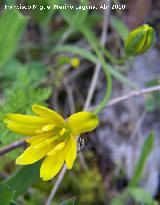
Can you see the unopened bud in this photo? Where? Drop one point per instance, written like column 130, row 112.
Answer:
column 75, row 62
column 139, row 40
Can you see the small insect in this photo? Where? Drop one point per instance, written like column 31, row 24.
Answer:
column 80, row 144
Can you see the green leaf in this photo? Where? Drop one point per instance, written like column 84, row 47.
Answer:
column 6, row 194
column 43, row 11
column 141, row 196
column 34, row 72
column 22, row 90
column 31, row 74
column 76, row 17
column 150, row 103
column 11, row 69
column 95, row 44
column 16, row 203
column 93, row 19
column 91, row 57
column 69, row 201
column 19, row 99
column 23, row 178
column 80, row 15
column 120, row 27
column 75, row 50
column 119, row 200
column 146, row 150
column 10, row 33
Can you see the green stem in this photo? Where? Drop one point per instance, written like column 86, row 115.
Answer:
column 66, row 35
column 106, row 98
column 114, row 60
column 90, row 38
column 93, row 58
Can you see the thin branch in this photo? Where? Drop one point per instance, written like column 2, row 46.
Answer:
column 132, row 94
column 12, row 146
column 95, row 77
column 70, row 99
column 137, row 93
column 56, row 185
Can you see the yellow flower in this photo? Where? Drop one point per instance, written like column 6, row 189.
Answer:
column 75, row 62
column 51, row 137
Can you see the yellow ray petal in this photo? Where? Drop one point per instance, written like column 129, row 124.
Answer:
column 70, row 151
column 24, row 129
column 31, row 155
column 48, row 114
column 82, row 122
column 45, row 143
column 44, row 136
column 51, row 165
column 26, row 119
column 48, row 127
column 57, row 148
column 38, row 138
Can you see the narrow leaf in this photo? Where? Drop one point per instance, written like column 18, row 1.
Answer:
column 120, row 27
column 147, row 148
column 69, row 201
column 6, row 194
column 91, row 57
column 77, row 15
column 75, row 50
column 23, row 179
column 141, row 196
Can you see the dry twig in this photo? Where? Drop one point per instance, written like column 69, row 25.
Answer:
column 132, row 94
column 95, row 77
column 12, row 146
column 56, row 185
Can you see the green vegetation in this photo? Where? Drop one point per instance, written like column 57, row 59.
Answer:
column 36, row 49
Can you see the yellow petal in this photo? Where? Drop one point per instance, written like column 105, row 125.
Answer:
column 43, row 136
column 45, row 143
column 58, row 147
column 48, row 114
column 38, row 138
column 20, row 128
column 82, row 122
column 31, row 155
column 48, row 127
column 51, row 165
column 26, row 119
column 70, row 151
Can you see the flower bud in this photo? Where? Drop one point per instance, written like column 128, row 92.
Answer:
column 75, row 62
column 139, row 40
